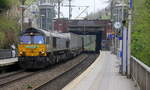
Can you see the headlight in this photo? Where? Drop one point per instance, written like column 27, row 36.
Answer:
column 42, row 53
column 22, row 53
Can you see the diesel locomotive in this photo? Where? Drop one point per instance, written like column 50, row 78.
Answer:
column 39, row 48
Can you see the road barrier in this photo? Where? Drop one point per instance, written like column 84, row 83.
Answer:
column 140, row 73
column 5, row 53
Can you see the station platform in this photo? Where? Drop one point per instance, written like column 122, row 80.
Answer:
column 103, row 74
column 7, row 62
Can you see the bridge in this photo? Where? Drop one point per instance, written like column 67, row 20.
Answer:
column 99, row 28
column 89, row 27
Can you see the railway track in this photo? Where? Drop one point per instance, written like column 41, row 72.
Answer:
column 45, row 84
column 33, row 80
column 6, row 75
column 68, row 76
column 6, row 80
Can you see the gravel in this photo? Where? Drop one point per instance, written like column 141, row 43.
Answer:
column 59, row 82
column 32, row 82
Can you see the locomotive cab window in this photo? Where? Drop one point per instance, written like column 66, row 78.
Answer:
column 38, row 39
column 28, row 39
column 25, row 39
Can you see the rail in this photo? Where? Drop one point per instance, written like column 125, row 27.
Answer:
column 140, row 73
column 5, row 53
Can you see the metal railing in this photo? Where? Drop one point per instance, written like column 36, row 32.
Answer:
column 140, row 73
column 5, row 53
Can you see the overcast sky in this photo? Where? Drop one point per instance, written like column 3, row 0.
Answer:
column 99, row 5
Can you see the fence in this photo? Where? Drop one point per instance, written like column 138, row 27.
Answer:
column 5, row 53
column 140, row 73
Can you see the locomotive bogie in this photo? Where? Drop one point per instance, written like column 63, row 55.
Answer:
column 33, row 62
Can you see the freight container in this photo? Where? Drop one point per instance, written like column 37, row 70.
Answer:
column 75, row 41
column 59, row 40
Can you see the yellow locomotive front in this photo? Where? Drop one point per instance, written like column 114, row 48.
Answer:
column 32, row 50
column 37, row 48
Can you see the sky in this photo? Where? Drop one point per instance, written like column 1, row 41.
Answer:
column 99, row 5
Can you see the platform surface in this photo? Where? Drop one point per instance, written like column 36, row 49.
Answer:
column 103, row 74
column 7, row 62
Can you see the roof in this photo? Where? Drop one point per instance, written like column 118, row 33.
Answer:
column 59, row 35
column 46, row 33
column 36, row 30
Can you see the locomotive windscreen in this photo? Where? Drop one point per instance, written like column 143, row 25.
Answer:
column 27, row 39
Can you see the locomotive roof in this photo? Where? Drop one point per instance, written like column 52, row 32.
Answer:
column 70, row 35
column 35, row 30
column 59, row 35
column 45, row 33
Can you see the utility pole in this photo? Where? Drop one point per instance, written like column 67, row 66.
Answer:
column 111, row 10
column 22, row 13
column 129, row 35
column 59, row 9
column 113, row 20
column 94, row 9
column 70, row 9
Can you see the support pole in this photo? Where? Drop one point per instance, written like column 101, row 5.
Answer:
column 129, row 37
column 94, row 9
column 124, row 57
column 22, row 14
column 59, row 9
column 70, row 9
column 129, row 40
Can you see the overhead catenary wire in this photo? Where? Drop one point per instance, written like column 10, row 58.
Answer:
column 82, row 11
